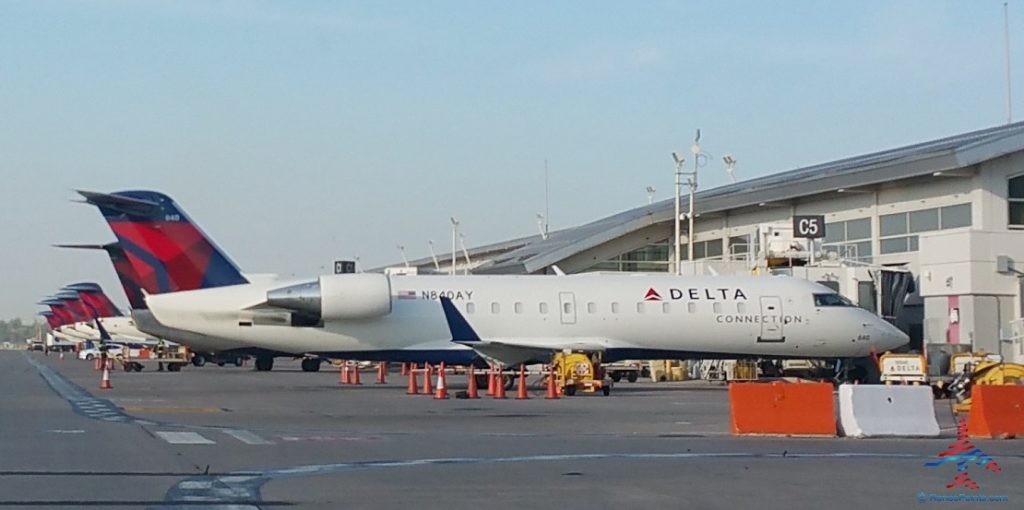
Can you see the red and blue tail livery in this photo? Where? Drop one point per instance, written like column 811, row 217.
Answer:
column 92, row 295
column 125, row 272
column 51, row 319
column 168, row 252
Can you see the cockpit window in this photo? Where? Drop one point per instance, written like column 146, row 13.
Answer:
column 831, row 300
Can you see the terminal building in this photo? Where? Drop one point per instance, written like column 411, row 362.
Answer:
column 929, row 235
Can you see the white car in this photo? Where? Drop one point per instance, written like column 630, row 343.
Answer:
column 93, row 353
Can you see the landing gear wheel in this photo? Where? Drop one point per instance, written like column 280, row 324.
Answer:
column 570, row 390
column 310, row 365
column 198, row 360
column 264, row 363
column 616, row 376
column 631, row 377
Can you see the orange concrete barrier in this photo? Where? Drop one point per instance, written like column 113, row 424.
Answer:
column 997, row 411
column 790, row 409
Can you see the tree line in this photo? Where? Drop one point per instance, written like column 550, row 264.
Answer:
column 16, row 331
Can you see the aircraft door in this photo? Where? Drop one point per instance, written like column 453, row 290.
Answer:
column 567, row 307
column 771, row 320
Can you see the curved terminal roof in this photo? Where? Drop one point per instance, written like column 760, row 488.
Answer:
column 532, row 254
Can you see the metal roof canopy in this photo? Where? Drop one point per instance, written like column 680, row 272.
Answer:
column 532, row 254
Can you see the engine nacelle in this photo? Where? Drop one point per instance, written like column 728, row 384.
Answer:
column 338, row 297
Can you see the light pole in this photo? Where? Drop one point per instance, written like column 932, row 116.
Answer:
column 730, row 167
column 433, row 255
column 679, row 189
column 650, row 194
column 455, row 236
column 465, row 252
column 404, row 259
column 691, row 181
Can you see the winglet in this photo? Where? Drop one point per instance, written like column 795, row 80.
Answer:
column 462, row 332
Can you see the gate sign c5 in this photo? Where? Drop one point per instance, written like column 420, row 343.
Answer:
column 809, row 227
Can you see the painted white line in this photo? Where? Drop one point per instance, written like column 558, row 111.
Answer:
column 247, row 437
column 58, row 431
column 183, row 438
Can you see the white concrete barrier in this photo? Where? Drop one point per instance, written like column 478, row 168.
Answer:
column 872, row 410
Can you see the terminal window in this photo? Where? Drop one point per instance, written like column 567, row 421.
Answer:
column 896, row 229
column 1015, row 199
column 849, row 239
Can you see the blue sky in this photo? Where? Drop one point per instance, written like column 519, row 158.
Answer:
column 296, row 133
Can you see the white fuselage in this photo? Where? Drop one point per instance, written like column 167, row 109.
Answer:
column 692, row 315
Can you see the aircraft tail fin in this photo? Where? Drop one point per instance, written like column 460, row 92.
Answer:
column 51, row 319
column 130, row 281
column 92, row 295
column 460, row 328
column 167, row 250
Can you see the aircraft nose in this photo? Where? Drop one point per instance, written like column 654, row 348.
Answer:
column 887, row 337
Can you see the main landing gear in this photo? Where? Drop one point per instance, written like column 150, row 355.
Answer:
column 310, row 364
column 264, row 363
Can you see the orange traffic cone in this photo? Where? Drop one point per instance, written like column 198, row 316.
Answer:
column 412, row 389
column 490, row 381
column 97, row 364
column 343, row 374
column 499, row 384
column 472, row 391
column 521, row 395
column 382, row 370
column 355, row 375
column 405, row 369
column 105, row 382
column 442, row 388
column 428, row 372
column 552, row 393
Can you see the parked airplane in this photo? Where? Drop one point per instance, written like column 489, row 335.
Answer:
column 513, row 318
column 204, row 348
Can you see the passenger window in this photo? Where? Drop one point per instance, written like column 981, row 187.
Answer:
column 495, row 308
column 470, row 307
column 591, row 308
column 640, row 307
column 717, row 307
column 741, row 308
column 615, row 308
column 518, row 307
column 691, row 307
column 666, row 307
column 543, row 308
column 566, row 308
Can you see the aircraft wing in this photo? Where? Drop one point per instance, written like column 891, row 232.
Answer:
column 515, row 350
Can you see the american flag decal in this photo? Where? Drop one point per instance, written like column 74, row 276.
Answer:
column 407, row 294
